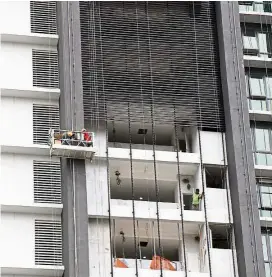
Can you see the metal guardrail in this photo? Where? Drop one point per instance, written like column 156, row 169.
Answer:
column 70, row 138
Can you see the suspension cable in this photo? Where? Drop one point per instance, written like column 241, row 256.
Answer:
column 107, row 151
column 132, row 191
column 200, row 148
column 225, row 181
column 180, row 195
column 220, row 129
column 154, row 140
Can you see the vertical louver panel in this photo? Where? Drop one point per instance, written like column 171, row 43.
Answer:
column 156, row 54
column 47, row 182
column 48, row 242
column 45, row 68
column 45, row 117
column 43, row 17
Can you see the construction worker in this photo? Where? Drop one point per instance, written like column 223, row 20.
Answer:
column 67, row 137
column 87, row 138
column 196, row 200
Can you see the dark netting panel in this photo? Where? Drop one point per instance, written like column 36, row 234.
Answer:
column 157, row 53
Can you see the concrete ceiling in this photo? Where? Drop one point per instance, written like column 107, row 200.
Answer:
column 163, row 133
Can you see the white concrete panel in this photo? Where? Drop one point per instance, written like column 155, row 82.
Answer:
column 97, row 189
column 147, row 155
column 195, row 140
column 148, row 210
column 192, row 253
column 222, row 259
column 15, row 275
column 16, row 120
column 99, row 248
column 15, row 17
column 130, row 272
column 17, row 179
column 16, row 64
column 17, row 240
column 211, row 145
column 17, row 237
column 217, row 205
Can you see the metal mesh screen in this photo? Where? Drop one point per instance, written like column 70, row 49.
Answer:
column 157, row 53
column 45, row 117
column 47, row 182
column 48, row 242
column 45, row 68
column 43, row 17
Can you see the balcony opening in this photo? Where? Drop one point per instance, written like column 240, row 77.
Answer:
column 187, row 201
column 142, row 137
column 221, row 236
column 147, row 244
column 144, row 190
column 215, row 177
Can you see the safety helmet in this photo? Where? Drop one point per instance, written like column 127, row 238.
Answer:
column 83, row 130
column 70, row 134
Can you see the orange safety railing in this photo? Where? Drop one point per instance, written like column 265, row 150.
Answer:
column 161, row 263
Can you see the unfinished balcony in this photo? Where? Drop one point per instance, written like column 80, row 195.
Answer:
column 145, row 196
column 153, row 253
column 71, row 144
column 147, row 142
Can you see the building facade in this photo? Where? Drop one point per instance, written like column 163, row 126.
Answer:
column 177, row 97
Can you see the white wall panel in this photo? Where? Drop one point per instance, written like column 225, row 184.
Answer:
column 15, row 17
column 16, row 179
column 17, row 237
column 16, row 120
column 16, row 64
column 211, row 145
column 99, row 248
column 97, row 189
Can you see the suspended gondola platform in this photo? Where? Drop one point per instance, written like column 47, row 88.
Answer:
column 71, row 144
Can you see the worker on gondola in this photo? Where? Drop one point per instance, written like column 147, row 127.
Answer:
column 196, row 200
column 87, row 138
column 67, row 137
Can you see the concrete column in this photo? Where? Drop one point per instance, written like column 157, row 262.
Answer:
column 247, row 227
column 74, row 196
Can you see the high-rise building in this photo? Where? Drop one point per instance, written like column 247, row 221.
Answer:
column 172, row 174
column 256, row 38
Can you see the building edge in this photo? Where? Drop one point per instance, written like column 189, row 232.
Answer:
column 247, row 226
column 74, row 191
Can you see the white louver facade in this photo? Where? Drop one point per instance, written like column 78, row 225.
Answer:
column 30, row 195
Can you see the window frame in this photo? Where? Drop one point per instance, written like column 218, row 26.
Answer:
column 266, row 152
column 267, row 97
column 267, row 234
column 261, row 184
column 267, row 6
column 250, row 31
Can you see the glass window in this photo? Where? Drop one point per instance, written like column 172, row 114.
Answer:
column 265, row 253
column 246, row 7
column 269, row 159
column 266, row 200
column 259, row 6
column 259, row 105
column 262, row 39
column 262, row 139
column 267, row 270
column 269, row 87
column 250, row 42
column 257, row 86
